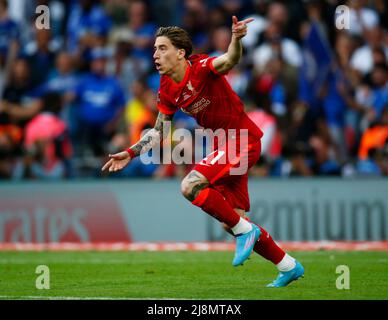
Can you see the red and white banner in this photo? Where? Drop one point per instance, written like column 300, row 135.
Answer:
column 192, row 246
column 68, row 217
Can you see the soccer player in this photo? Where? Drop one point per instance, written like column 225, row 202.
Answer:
column 196, row 84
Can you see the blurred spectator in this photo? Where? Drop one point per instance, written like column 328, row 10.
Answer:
column 40, row 55
column 269, row 85
column 9, row 42
column 10, row 140
column 19, row 105
column 257, row 26
column 369, row 166
column 362, row 59
column 62, row 80
column 100, row 101
column 276, row 46
column 382, row 10
column 46, row 143
column 167, row 12
column 303, row 123
column 335, row 108
column 295, row 161
column 361, row 18
column 194, row 21
column 88, row 27
column 58, row 17
column 278, row 14
column 24, row 13
column 139, row 115
column 375, row 137
column 63, row 77
column 324, row 159
column 140, row 112
column 144, row 32
column 220, row 39
column 373, row 95
column 217, row 18
column 19, row 83
column 117, row 11
column 270, row 142
column 9, row 33
column 379, row 81
column 124, row 65
column 262, row 168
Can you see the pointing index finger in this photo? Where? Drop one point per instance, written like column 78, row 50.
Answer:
column 107, row 164
column 246, row 21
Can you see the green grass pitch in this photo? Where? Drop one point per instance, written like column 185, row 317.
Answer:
column 188, row 275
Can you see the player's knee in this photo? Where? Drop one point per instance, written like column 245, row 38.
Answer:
column 192, row 185
column 186, row 188
column 190, row 189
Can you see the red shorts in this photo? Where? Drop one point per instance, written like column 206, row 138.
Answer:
column 226, row 168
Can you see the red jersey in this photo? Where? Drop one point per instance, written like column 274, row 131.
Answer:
column 207, row 96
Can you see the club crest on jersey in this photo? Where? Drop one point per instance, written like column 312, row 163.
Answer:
column 192, row 90
column 190, row 87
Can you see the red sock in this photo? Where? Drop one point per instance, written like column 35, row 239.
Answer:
column 266, row 247
column 213, row 203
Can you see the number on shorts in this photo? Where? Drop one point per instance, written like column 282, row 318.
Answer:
column 215, row 159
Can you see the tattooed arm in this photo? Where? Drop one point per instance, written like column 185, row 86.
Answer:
column 147, row 142
column 154, row 136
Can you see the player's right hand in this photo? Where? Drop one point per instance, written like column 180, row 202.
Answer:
column 117, row 161
column 239, row 28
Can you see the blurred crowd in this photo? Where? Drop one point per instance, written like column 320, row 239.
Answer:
column 86, row 86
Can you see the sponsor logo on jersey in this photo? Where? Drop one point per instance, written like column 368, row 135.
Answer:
column 196, row 107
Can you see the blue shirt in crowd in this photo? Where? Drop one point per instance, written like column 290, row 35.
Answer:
column 333, row 104
column 80, row 22
column 99, row 97
column 9, row 31
column 380, row 100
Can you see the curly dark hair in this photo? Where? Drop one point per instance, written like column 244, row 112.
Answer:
column 178, row 37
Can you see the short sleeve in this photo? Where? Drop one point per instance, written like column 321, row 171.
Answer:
column 164, row 105
column 206, row 62
column 211, row 67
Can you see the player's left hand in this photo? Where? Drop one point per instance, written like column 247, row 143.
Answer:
column 117, row 161
column 239, row 28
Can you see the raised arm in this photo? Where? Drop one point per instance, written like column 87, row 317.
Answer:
column 159, row 132
column 229, row 59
